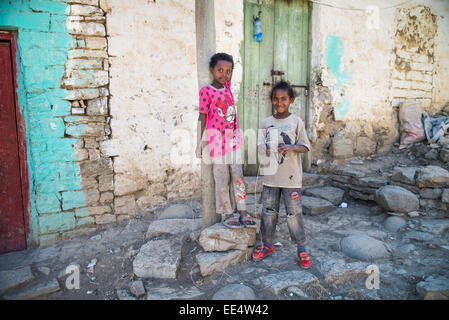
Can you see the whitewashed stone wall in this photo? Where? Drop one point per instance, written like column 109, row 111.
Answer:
column 229, row 36
column 153, row 104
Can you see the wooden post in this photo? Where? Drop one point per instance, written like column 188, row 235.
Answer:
column 205, row 48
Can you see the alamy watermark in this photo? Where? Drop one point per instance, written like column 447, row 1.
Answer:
column 73, row 280
column 254, row 142
column 373, row 279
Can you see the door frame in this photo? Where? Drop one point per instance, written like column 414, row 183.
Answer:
column 11, row 37
column 306, row 157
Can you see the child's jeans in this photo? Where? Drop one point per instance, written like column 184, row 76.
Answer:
column 270, row 212
column 224, row 169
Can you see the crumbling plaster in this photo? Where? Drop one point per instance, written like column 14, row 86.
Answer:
column 354, row 78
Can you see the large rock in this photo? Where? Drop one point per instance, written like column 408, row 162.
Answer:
column 433, row 288
column 218, row 237
column 313, row 206
column 393, row 224
column 11, row 279
column 235, row 292
column 210, row 262
column 165, row 292
column 371, row 182
column 432, row 176
column 35, row 291
column 278, row 281
column 158, row 259
column 364, row 248
column 404, row 175
column 396, row 199
column 172, row 227
column 331, row 194
column 337, row 271
column 177, row 211
column 350, row 171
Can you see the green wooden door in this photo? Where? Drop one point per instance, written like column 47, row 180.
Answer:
column 281, row 55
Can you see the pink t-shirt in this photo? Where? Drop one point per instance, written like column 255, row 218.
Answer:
column 223, row 131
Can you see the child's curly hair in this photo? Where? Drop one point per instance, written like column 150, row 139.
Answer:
column 283, row 85
column 221, row 56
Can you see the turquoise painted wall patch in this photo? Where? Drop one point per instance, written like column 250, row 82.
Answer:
column 334, row 51
column 43, row 43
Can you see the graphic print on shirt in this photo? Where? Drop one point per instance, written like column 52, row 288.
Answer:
column 226, row 109
column 284, row 138
column 223, row 132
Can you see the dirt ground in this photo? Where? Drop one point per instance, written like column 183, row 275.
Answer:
column 114, row 247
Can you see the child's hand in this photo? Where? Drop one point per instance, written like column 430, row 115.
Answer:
column 284, row 148
column 199, row 151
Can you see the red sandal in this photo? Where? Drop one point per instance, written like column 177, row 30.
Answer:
column 262, row 251
column 304, row 259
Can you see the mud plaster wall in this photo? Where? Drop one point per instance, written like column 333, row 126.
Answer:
column 152, row 48
column 355, row 81
column 229, row 36
column 154, row 97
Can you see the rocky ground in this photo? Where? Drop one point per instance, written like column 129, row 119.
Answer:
column 165, row 255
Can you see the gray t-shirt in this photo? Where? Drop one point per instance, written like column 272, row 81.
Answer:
column 284, row 171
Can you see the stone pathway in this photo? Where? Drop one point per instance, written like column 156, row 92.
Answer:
column 167, row 256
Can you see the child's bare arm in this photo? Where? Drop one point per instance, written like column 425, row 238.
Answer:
column 200, row 131
column 284, row 148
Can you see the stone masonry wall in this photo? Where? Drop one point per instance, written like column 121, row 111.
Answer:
column 87, row 79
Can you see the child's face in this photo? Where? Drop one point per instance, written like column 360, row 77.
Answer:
column 281, row 100
column 222, row 72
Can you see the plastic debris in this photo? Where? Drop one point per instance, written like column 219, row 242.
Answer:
column 278, row 244
column 343, row 205
column 92, row 263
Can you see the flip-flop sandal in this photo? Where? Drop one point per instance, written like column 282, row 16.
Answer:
column 233, row 223
column 248, row 222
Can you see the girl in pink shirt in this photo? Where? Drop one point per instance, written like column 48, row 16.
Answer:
column 218, row 115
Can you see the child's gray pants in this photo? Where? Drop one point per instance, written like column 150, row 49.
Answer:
column 270, row 212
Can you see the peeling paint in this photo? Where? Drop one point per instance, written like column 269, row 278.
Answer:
column 333, row 54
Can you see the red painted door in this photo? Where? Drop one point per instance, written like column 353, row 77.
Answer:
column 12, row 224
